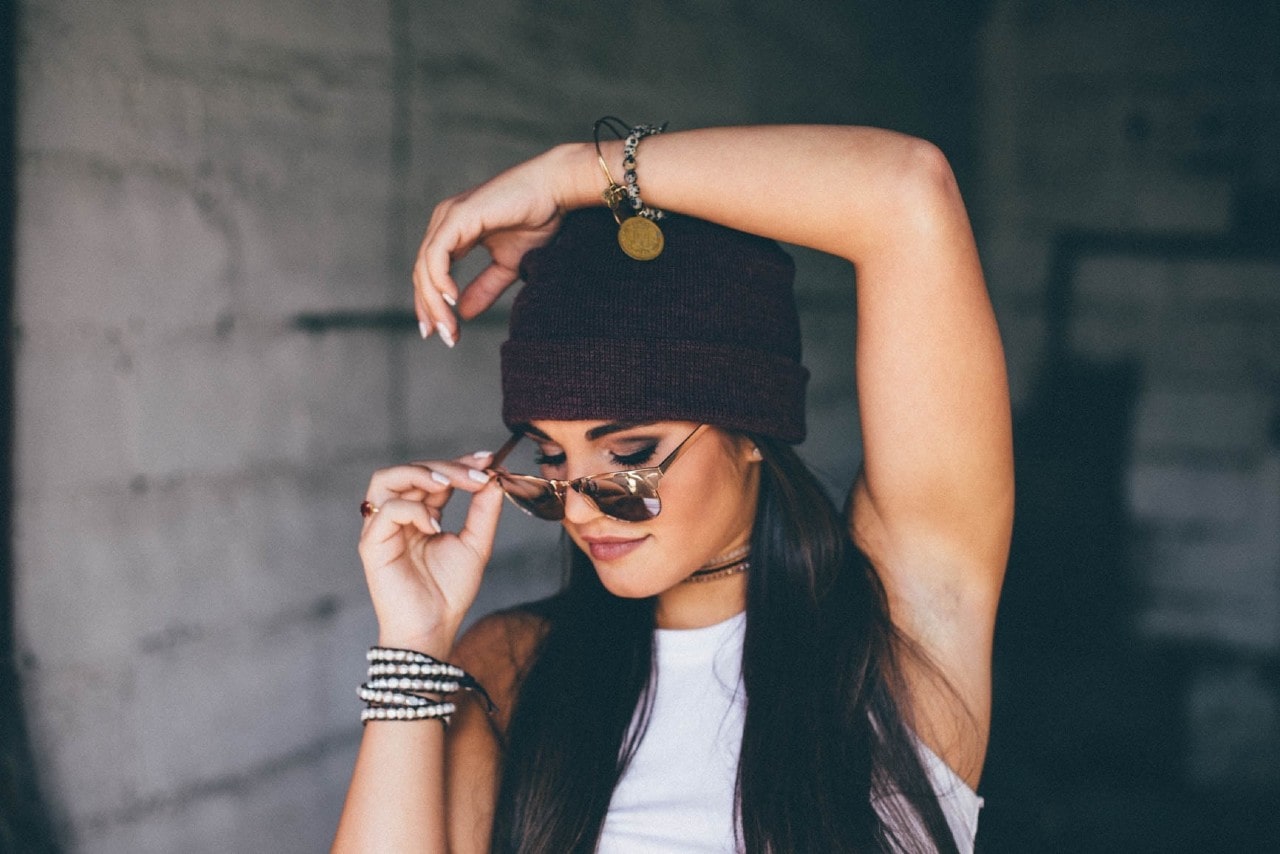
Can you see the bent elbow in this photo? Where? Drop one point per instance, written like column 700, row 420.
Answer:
column 928, row 189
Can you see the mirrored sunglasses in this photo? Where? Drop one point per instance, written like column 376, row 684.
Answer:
column 630, row 495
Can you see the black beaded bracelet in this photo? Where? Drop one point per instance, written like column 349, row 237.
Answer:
column 629, row 149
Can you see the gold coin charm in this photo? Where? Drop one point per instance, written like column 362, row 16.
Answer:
column 640, row 238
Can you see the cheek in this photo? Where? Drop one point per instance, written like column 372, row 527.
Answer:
column 720, row 495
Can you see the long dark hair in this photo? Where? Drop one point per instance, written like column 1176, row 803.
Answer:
column 826, row 727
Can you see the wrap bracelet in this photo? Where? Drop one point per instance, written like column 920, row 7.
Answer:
column 407, row 685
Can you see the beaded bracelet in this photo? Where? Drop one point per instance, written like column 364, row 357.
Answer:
column 437, row 686
column 374, row 697
column 438, row 711
column 638, row 231
column 629, row 149
column 398, row 678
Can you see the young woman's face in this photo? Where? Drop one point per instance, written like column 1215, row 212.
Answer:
column 708, row 498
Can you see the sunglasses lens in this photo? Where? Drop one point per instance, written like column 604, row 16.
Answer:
column 535, row 497
column 623, row 497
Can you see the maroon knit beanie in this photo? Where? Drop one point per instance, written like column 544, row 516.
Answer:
column 708, row 331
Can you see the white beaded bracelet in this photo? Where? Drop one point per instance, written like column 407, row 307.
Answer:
column 376, row 697
column 436, row 711
column 435, row 686
column 397, row 678
column 416, row 670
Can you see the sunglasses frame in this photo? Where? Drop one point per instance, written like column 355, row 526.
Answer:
column 632, row 479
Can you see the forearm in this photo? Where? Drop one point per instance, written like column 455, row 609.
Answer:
column 396, row 799
column 850, row 191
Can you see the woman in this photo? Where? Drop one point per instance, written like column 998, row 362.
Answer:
column 827, row 686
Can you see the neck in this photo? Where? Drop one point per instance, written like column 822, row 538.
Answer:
column 711, row 595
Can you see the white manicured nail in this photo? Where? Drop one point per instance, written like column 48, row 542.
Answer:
column 448, row 297
column 478, row 476
column 423, row 329
column 439, row 478
column 435, row 524
column 445, row 335
column 480, row 455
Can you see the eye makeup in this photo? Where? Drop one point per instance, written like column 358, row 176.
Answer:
column 622, row 452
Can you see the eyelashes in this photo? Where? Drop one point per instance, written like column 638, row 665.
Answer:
column 549, row 460
column 636, row 459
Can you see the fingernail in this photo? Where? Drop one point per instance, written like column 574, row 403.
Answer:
column 435, row 524
column 423, row 329
column 439, row 478
column 480, row 455
column 445, row 335
column 448, row 297
column 478, row 476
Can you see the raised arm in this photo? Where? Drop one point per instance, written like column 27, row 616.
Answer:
column 934, row 505
column 933, row 508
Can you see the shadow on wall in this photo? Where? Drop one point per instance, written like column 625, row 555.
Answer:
column 1137, row 662
column 24, row 825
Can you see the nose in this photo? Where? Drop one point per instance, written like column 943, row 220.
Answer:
column 579, row 509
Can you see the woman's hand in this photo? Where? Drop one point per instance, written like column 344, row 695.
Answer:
column 508, row 215
column 423, row 580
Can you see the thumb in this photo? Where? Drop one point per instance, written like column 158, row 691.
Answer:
column 482, row 519
column 485, row 289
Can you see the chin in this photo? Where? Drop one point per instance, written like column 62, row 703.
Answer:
column 638, row 582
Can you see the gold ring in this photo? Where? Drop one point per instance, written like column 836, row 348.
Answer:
column 367, row 509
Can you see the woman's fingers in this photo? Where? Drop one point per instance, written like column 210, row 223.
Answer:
column 407, row 481
column 429, row 482
column 440, row 317
column 434, row 287
column 380, row 544
column 511, row 213
column 482, row 520
column 425, row 326
column 485, row 289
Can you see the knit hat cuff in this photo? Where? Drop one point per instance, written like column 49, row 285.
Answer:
column 621, row 379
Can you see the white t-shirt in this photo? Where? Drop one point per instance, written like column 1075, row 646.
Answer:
column 677, row 792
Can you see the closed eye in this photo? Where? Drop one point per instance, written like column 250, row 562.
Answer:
column 636, row 459
column 549, row 460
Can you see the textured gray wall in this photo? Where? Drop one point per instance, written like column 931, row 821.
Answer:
column 193, row 176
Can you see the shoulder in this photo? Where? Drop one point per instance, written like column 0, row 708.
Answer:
column 498, row 651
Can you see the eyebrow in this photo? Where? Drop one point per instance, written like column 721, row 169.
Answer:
column 614, row 427
column 592, row 434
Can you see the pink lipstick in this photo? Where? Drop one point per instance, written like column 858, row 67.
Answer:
column 612, row 548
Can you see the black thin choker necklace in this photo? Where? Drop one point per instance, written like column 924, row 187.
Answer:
column 726, row 565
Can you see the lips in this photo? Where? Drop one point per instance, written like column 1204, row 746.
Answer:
column 612, row 548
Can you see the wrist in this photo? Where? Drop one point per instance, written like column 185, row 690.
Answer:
column 582, row 182
column 437, row 643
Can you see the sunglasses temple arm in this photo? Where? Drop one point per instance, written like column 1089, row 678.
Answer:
column 506, row 448
column 671, row 458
